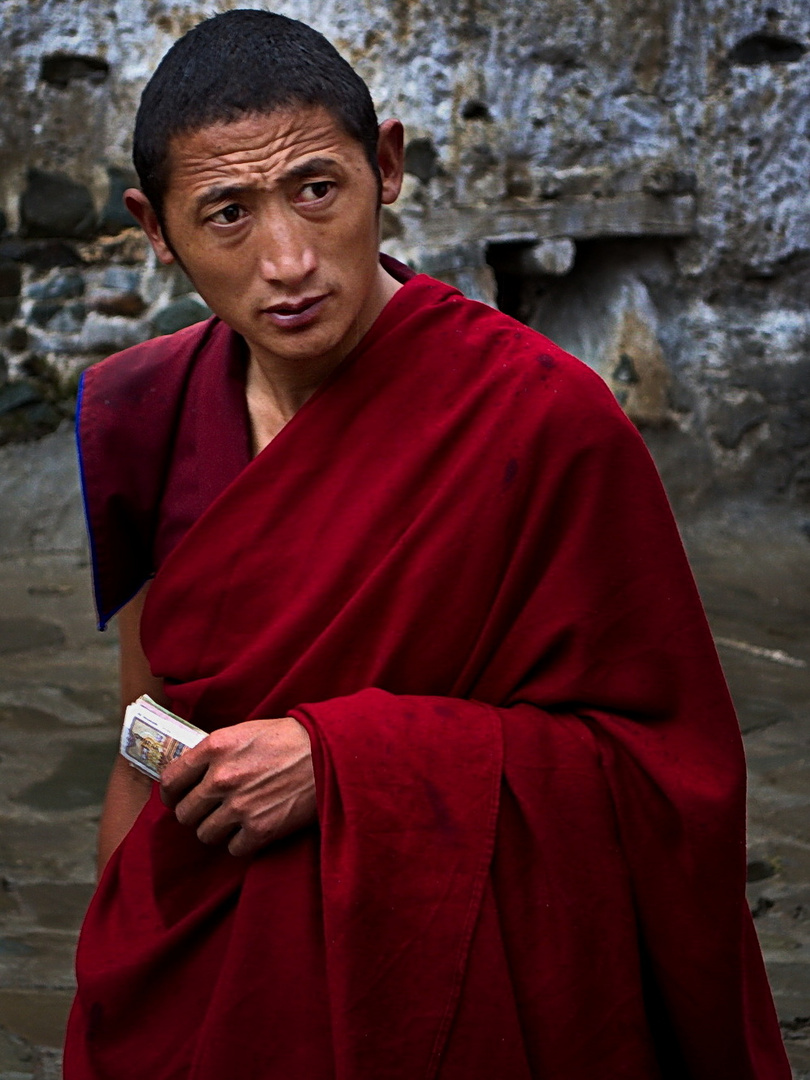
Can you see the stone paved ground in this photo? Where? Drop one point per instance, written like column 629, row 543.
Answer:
column 58, row 719
column 58, row 726
column 753, row 568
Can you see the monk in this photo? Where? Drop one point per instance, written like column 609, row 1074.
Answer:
column 472, row 802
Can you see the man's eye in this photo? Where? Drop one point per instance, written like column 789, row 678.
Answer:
column 228, row 215
column 319, row 189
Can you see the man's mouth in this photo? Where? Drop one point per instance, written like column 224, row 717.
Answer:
column 294, row 313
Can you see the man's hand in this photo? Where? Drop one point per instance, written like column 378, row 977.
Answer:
column 246, row 785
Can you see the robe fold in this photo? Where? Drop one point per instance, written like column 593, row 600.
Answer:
column 455, row 566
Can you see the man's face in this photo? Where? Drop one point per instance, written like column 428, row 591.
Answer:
column 275, row 220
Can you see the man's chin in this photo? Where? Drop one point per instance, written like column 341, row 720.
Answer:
column 297, row 346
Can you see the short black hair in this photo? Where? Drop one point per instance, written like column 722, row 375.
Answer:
column 242, row 63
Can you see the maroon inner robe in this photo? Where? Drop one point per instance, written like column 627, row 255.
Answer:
column 456, row 567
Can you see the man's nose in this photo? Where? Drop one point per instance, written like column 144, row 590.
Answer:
column 286, row 254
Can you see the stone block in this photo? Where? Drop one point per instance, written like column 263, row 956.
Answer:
column 16, row 395
column 53, row 205
column 552, row 257
column 732, row 421
column 69, row 319
column 16, row 1056
column 793, row 425
column 664, row 179
column 127, row 304
column 42, row 311
column 47, row 1063
column 31, row 422
column 579, row 217
column 62, row 851
column 791, row 986
column 24, row 717
column 37, row 1016
column 121, row 279
column 115, row 217
column 52, row 709
column 13, row 249
column 16, row 338
column 57, row 905
column 9, row 903
column 10, row 278
column 38, row 958
column 79, row 780
column 24, row 634
column 40, row 255
column 102, row 334
column 65, row 286
column 159, row 285
column 390, row 224
column 790, row 820
column 47, row 256
column 784, row 383
column 180, row 313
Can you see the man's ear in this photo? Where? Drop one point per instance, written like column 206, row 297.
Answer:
column 391, row 159
column 141, row 209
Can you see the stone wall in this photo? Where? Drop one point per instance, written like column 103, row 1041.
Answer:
column 632, row 177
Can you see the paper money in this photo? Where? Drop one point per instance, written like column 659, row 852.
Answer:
column 152, row 736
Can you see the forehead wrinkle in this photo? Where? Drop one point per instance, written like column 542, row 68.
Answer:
column 206, row 146
column 261, row 179
column 248, row 169
column 255, row 153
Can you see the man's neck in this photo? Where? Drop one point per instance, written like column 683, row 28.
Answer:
column 274, row 396
column 276, row 390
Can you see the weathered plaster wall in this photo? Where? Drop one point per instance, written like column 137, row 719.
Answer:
column 631, row 176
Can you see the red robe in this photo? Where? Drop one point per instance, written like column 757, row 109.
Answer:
column 456, row 567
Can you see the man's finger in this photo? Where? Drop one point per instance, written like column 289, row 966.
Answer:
column 244, row 842
column 195, row 807
column 215, row 827
column 183, row 773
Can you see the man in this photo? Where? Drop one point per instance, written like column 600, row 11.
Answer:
column 472, row 804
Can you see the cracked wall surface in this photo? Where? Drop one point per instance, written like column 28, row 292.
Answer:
column 631, row 177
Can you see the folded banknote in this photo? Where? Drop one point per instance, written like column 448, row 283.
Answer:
column 152, row 736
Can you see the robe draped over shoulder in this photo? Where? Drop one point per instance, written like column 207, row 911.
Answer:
column 456, row 567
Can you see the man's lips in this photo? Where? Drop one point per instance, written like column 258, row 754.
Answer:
column 294, row 313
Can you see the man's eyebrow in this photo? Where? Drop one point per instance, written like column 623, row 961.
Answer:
column 313, row 166
column 216, row 194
